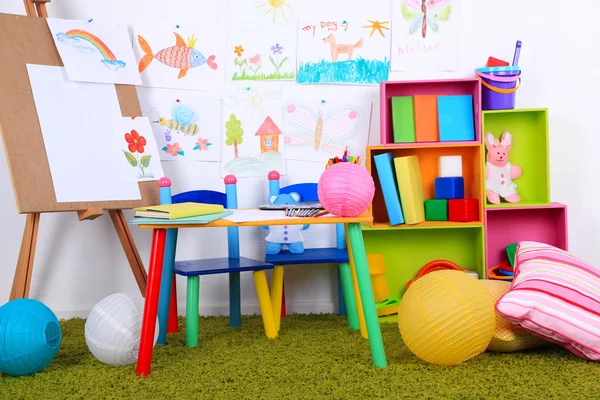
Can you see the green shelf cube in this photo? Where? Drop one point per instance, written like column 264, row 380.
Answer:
column 530, row 151
column 436, row 210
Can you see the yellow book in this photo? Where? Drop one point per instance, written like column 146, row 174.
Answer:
column 180, row 210
column 410, row 186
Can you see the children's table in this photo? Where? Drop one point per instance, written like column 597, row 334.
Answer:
column 359, row 255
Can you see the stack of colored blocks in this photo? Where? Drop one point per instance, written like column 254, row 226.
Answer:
column 432, row 118
column 449, row 203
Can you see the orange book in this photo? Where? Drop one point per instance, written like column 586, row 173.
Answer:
column 426, row 118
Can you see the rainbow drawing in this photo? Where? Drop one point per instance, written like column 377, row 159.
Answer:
column 73, row 36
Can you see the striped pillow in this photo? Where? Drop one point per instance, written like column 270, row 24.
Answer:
column 556, row 296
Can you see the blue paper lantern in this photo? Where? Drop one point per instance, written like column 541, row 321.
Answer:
column 30, row 337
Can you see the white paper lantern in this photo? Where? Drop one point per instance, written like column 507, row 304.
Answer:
column 112, row 330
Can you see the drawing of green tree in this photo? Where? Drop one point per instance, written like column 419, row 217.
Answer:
column 234, row 133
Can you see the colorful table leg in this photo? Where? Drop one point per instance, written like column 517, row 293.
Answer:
column 366, row 294
column 191, row 311
column 359, row 308
column 173, row 325
column 345, row 274
column 277, row 294
column 151, row 302
column 166, row 284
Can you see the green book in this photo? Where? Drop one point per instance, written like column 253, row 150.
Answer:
column 403, row 119
column 201, row 219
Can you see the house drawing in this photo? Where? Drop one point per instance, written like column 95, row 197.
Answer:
column 269, row 136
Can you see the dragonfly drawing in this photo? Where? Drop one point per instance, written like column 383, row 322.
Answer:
column 310, row 129
column 183, row 119
column 423, row 13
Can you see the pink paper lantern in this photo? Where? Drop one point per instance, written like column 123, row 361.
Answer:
column 346, row 189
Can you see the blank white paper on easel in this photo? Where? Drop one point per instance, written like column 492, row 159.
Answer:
column 75, row 118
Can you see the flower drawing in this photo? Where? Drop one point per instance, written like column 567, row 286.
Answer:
column 255, row 61
column 201, row 144
column 277, row 50
column 238, row 61
column 173, row 149
column 135, row 144
column 135, row 141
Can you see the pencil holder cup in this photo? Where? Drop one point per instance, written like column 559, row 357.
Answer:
column 346, row 189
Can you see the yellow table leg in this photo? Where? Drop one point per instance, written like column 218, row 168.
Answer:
column 277, row 294
column 359, row 306
column 264, row 300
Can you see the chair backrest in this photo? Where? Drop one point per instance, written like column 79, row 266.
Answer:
column 307, row 192
column 201, row 196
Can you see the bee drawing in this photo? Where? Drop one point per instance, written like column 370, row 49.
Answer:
column 183, row 119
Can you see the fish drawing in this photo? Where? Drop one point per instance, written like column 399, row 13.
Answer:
column 181, row 56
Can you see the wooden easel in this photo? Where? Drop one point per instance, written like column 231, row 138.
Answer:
column 22, row 279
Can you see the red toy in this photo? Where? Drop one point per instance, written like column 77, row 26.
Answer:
column 437, row 265
column 494, row 62
column 463, row 210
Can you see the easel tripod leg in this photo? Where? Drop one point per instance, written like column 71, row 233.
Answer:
column 22, row 279
column 135, row 261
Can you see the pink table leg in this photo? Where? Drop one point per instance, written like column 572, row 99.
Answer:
column 151, row 302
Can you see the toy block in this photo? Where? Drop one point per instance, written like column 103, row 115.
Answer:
column 426, row 118
column 410, row 186
column 449, row 188
column 450, row 166
column 463, row 210
column 495, row 62
column 511, row 252
column 436, row 210
column 403, row 119
column 455, row 118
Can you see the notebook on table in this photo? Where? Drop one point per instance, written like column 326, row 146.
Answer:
column 200, row 219
column 177, row 211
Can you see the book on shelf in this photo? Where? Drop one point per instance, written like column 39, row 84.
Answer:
column 410, row 186
column 387, row 180
column 180, row 210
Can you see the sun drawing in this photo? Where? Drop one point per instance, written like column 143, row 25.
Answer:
column 377, row 26
column 255, row 100
column 275, row 6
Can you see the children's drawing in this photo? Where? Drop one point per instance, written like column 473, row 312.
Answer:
column 166, row 60
column 424, row 35
column 95, row 52
column 140, row 157
column 264, row 48
column 186, row 124
column 343, row 42
column 252, row 122
column 316, row 130
column 182, row 56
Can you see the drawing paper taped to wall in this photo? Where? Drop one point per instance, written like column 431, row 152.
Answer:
column 316, row 129
column 186, row 123
column 344, row 41
column 263, row 36
column 252, row 123
column 95, row 52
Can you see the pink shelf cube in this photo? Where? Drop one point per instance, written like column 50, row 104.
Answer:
column 442, row 87
column 503, row 226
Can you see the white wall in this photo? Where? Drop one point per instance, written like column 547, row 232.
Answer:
column 79, row 263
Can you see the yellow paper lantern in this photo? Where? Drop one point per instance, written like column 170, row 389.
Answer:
column 446, row 317
column 507, row 336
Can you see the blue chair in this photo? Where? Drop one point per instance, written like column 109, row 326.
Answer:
column 193, row 269
column 336, row 255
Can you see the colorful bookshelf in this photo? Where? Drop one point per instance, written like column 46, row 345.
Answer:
column 476, row 245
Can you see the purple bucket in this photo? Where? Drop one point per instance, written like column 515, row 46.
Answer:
column 499, row 87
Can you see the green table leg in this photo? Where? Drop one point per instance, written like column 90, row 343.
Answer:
column 349, row 300
column 191, row 311
column 366, row 294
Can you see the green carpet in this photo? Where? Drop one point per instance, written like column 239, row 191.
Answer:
column 316, row 356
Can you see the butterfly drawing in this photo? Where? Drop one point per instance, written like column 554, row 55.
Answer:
column 423, row 13
column 310, row 129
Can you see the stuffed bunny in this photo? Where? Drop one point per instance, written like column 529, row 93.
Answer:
column 499, row 173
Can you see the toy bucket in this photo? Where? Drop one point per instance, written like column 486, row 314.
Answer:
column 499, row 86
